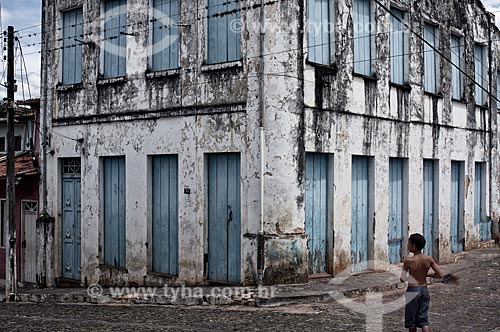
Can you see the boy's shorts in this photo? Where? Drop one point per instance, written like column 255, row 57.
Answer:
column 417, row 306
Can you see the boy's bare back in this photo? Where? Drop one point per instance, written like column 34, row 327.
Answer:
column 418, row 267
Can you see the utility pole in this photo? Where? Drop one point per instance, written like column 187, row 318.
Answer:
column 11, row 277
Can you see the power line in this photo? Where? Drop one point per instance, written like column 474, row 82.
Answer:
column 273, row 53
column 181, row 13
column 188, row 69
column 23, row 62
column 436, row 50
column 148, row 29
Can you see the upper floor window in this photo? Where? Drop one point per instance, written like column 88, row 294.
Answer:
column 18, row 143
column 431, row 65
column 165, row 35
column 72, row 47
column 223, row 31
column 481, row 76
column 320, row 31
column 363, row 37
column 457, row 60
column 399, row 47
column 2, row 144
column 115, row 42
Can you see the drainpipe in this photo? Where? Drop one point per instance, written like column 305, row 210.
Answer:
column 260, row 237
column 491, row 105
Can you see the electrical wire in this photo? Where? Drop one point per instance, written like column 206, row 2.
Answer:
column 273, row 53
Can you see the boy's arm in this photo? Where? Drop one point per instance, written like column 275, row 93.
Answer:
column 437, row 271
column 404, row 273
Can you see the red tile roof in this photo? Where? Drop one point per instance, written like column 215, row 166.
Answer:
column 26, row 164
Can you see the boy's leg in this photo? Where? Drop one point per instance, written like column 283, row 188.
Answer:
column 423, row 310
column 411, row 310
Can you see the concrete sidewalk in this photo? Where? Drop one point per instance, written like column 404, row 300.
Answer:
column 317, row 290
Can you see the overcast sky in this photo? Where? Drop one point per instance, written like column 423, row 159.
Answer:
column 26, row 13
column 22, row 14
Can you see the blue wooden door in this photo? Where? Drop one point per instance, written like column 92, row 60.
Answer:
column 71, row 207
column 316, row 210
column 397, row 222
column 456, row 213
column 360, row 213
column 480, row 203
column 224, row 229
column 430, row 209
column 165, row 215
column 114, row 211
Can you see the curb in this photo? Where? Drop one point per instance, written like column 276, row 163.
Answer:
column 250, row 299
column 325, row 297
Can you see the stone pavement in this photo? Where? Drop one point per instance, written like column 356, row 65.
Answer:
column 317, row 290
column 470, row 306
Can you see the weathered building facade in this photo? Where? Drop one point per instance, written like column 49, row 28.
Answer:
column 187, row 146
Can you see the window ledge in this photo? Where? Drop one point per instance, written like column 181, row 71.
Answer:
column 482, row 106
column 112, row 81
column 331, row 68
column 461, row 100
column 161, row 274
column 365, row 77
column 163, row 73
column 69, row 87
column 222, row 66
column 405, row 87
column 432, row 94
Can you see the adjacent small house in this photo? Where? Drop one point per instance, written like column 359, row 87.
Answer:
column 27, row 176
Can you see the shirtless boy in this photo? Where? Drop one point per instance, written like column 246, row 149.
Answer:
column 416, row 271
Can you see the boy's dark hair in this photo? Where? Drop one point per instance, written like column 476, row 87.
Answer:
column 418, row 240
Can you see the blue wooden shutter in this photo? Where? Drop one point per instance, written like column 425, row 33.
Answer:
column 165, row 215
column 223, row 38
column 430, row 60
column 115, row 27
column 72, row 50
column 319, row 36
column 430, row 210
column 456, row 75
column 398, row 46
column 114, row 211
column 397, row 196
column 362, row 37
column 360, row 193
column 480, row 75
column 480, row 213
column 478, row 193
column 316, row 205
column 456, row 213
column 224, row 217
column 165, row 35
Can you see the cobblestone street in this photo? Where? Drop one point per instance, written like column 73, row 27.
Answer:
column 472, row 305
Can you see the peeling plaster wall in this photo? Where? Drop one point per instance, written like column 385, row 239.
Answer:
column 349, row 115
column 200, row 109
column 192, row 111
